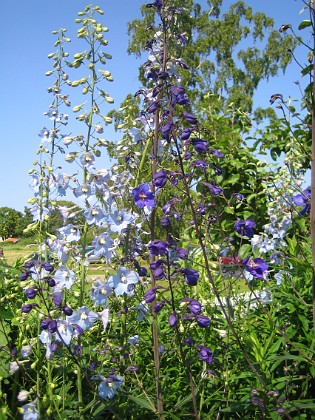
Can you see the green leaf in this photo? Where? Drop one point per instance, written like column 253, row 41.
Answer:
column 142, row 402
column 181, row 403
column 304, row 24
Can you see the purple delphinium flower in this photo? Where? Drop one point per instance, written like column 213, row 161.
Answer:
column 245, row 227
column 303, row 199
column 150, row 295
column 160, row 179
column 152, row 107
column 203, row 321
column 165, row 222
column 31, row 293
column 200, row 145
column 166, row 130
column 191, row 275
column 185, row 134
column 158, row 247
column 123, row 282
column 214, row 189
column 195, row 307
column 172, row 319
column 216, row 152
column 143, row 196
column 205, row 354
column 159, row 306
column 182, row 253
column 190, row 118
column 168, row 206
column 200, row 164
column 257, row 268
column 238, row 196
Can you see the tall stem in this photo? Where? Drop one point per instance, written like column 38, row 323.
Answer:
column 312, row 218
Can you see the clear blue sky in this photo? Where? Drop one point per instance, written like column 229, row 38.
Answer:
column 26, row 40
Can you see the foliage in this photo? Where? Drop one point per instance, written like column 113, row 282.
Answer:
column 12, row 223
column 215, row 49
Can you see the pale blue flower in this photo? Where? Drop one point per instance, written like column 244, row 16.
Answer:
column 69, row 233
column 103, row 246
column 83, row 317
column 94, row 215
column 83, row 191
column 65, row 332
column 35, row 184
column 104, row 315
column 64, row 278
column 124, row 281
column 100, row 292
column 134, row 340
column 46, row 338
column 87, row 160
column 30, row 411
column 61, row 182
column 109, row 387
column 39, row 212
column 119, row 220
column 142, row 311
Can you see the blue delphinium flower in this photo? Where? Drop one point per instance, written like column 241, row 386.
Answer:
column 303, row 199
column 143, row 196
column 109, row 386
column 83, row 317
column 123, row 282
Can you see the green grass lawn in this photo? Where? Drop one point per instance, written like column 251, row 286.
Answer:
column 13, row 252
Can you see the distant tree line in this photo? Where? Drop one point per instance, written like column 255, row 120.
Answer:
column 13, row 222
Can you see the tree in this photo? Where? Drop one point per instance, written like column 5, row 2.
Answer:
column 11, row 222
column 216, row 49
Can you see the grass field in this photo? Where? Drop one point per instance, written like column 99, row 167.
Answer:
column 13, row 252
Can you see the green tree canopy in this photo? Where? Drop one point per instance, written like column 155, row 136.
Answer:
column 228, row 50
column 11, row 222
